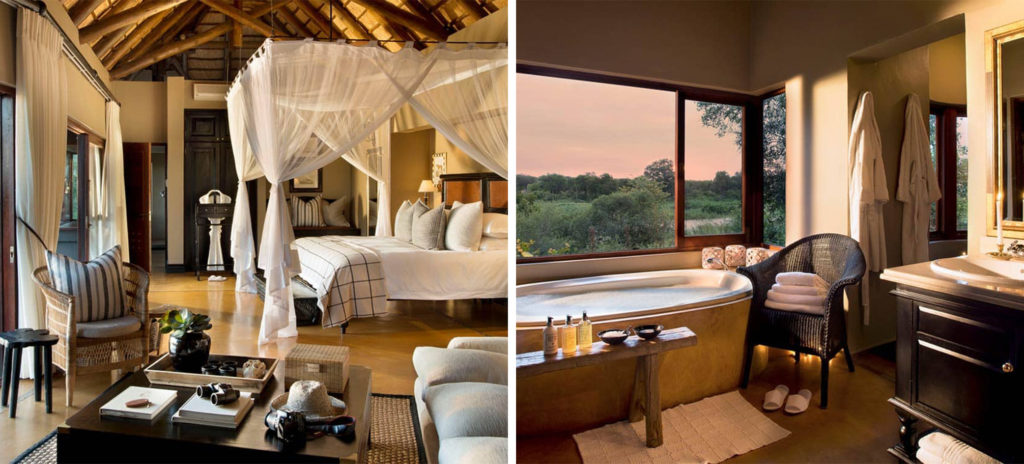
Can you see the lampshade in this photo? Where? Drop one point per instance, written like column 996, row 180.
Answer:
column 426, row 186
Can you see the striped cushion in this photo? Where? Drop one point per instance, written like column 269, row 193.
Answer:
column 307, row 212
column 428, row 228
column 98, row 286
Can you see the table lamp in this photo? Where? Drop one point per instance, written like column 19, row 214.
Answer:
column 426, row 188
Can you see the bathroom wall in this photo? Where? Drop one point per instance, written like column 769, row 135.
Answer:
column 947, row 70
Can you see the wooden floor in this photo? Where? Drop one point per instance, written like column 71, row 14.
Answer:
column 857, row 427
column 384, row 343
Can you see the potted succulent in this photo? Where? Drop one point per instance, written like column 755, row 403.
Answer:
column 189, row 346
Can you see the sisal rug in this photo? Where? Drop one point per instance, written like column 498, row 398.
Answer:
column 394, row 435
column 710, row 430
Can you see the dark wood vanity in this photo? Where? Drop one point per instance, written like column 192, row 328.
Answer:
column 958, row 350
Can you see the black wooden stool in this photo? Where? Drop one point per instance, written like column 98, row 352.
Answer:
column 14, row 342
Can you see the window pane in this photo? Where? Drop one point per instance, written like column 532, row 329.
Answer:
column 933, row 223
column 961, row 173
column 595, row 167
column 714, row 165
column 69, row 209
column 774, row 118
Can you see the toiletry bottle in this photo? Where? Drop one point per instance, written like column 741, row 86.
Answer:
column 568, row 336
column 550, row 338
column 585, row 335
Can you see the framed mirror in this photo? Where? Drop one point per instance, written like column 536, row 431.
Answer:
column 1004, row 60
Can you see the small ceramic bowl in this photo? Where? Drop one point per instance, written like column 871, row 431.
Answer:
column 648, row 332
column 613, row 336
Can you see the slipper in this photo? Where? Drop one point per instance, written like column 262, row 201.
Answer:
column 773, row 399
column 797, row 403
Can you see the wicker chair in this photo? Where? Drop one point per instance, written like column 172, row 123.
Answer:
column 835, row 258
column 80, row 355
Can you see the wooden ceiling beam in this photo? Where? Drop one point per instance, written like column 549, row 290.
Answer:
column 423, row 12
column 330, row 15
column 314, row 16
column 140, row 32
column 351, row 21
column 182, row 16
column 291, row 20
column 405, row 18
column 81, row 11
column 108, row 24
column 239, row 16
column 236, row 31
column 171, row 49
column 473, row 8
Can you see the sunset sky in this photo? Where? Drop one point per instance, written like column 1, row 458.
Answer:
column 572, row 127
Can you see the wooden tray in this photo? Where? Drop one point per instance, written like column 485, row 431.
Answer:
column 163, row 373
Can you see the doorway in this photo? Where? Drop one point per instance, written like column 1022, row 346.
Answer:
column 209, row 165
column 8, row 265
column 158, row 206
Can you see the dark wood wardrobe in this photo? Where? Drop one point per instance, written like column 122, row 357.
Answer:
column 209, row 164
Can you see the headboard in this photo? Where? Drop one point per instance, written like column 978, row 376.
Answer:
column 487, row 187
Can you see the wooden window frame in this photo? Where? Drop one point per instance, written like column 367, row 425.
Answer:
column 8, row 220
column 946, row 159
column 760, row 119
column 86, row 137
column 752, row 206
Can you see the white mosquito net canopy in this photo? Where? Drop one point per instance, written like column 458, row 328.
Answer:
column 299, row 105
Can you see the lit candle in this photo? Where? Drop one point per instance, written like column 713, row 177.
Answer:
column 999, row 218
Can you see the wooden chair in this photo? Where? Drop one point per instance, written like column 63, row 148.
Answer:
column 833, row 257
column 76, row 354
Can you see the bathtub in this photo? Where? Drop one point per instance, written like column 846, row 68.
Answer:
column 714, row 304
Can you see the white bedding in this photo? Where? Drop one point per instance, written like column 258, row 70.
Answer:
column 412, row 273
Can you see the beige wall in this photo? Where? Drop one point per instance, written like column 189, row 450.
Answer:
column 85, row 104
column 410, row 164
column 947, row 70
column 8, row 29
column 143, row 110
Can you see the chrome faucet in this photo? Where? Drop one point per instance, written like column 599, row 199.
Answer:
column 719, row 261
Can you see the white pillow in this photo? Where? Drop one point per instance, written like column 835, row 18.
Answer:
column 465, row 224
column 403, row 222
column 306, row 212
column 492, row 244
column 495, row 225
column 334, row 212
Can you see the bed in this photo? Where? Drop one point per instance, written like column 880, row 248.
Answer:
column 354, row 276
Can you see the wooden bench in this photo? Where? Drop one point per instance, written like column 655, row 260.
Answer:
column 646, row 400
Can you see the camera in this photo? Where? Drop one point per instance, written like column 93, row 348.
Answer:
column 288, row 426
column 218, row 393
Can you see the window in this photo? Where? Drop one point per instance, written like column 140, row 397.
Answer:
column 83, row 158
column 610, row 166
column 948, row 138
column 773, row 124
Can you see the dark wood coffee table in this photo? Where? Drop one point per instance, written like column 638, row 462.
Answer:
column 86, row 437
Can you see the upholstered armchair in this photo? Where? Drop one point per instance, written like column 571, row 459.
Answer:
column 98, row 346
column 833, row 257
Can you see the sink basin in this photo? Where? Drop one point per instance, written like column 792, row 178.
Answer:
column 981, row 269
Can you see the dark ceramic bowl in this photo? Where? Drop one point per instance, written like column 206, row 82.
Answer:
column 648, row 332
column 608, row 337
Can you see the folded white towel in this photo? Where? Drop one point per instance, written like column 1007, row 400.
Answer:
column 953, row 451
column 804, row 279
column 800, row 308
column 799, row 290
column 925, row 456
column 791, row 298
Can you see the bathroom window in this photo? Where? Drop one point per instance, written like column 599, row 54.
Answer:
column 612, row 166
column 948, row 127
column 773, row 123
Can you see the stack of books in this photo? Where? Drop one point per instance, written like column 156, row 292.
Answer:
column 201, row 411
column 159, row 401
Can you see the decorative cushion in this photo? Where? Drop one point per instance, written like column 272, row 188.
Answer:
column 492, row 344
column 98, row 286
column 336, row 212
column 465, row 226
column 473, row 450
column 109, row 328
column 428, row 228
column 493, row 244
column 403, row 218
column 436, row 366
column 468, row 409
column 495, row 225
column 306, row 212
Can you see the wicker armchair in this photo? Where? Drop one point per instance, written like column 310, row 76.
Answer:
column 833, row 257
column 80, row 355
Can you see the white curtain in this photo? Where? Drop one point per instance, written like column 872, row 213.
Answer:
column 110, row 221
column 40, row 156
column 290, row 89
column 243, row 246
column 465, row 97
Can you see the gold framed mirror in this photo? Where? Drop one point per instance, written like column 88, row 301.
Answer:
column 1004, row 66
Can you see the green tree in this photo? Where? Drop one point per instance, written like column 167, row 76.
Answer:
column 664, row 173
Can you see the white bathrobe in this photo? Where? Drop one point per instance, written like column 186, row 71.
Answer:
column 918, row 185
column 868, row 190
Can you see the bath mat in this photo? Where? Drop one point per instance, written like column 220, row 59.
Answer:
column 710, row 430
column 395, row 435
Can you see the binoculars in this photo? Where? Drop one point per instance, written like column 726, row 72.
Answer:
column 218, row 393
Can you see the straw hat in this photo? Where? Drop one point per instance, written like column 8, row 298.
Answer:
column 310, row 398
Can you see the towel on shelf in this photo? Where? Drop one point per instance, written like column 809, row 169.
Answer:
column 950, row 450
column 803, row 279
column 926, row 456
column 799, row 290
column 800, row 308
column 790, row 298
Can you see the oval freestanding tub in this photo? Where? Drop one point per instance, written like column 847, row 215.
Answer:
column 714, row 304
